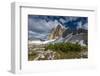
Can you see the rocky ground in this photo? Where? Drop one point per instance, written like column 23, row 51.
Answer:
column 40, row 54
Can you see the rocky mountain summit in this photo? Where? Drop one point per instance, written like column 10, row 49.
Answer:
column 56, row 32
column 62, row 34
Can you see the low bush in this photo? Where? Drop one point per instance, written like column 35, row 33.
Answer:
column 64, row 47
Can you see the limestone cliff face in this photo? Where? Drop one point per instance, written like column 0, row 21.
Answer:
column 56, row 32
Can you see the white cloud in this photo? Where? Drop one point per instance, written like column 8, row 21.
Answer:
column 40, row 28
column 79, row 25
column 62, row 20
column 41, row 25
column 70, row 19
column 84, row 26
column 37, row 26
column 32, row 35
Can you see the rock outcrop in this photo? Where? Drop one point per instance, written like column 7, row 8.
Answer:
column 56, row 32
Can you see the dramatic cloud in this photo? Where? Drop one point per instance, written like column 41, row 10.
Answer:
column 84, row 26
column 79, row 25
column 67, row 19
column 40, row 26
column 35, row 35
column 62, row 20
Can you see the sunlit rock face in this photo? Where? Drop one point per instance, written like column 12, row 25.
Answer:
column 56, row 32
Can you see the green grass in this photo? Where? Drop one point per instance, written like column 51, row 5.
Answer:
column 64, row 47
column 66, row 50
column 62, row 51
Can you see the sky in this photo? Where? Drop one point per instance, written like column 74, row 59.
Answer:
column 39, row 26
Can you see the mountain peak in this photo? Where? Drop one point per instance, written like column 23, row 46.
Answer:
column 56, row 32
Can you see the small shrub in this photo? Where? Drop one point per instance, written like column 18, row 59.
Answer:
column 64, row 47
